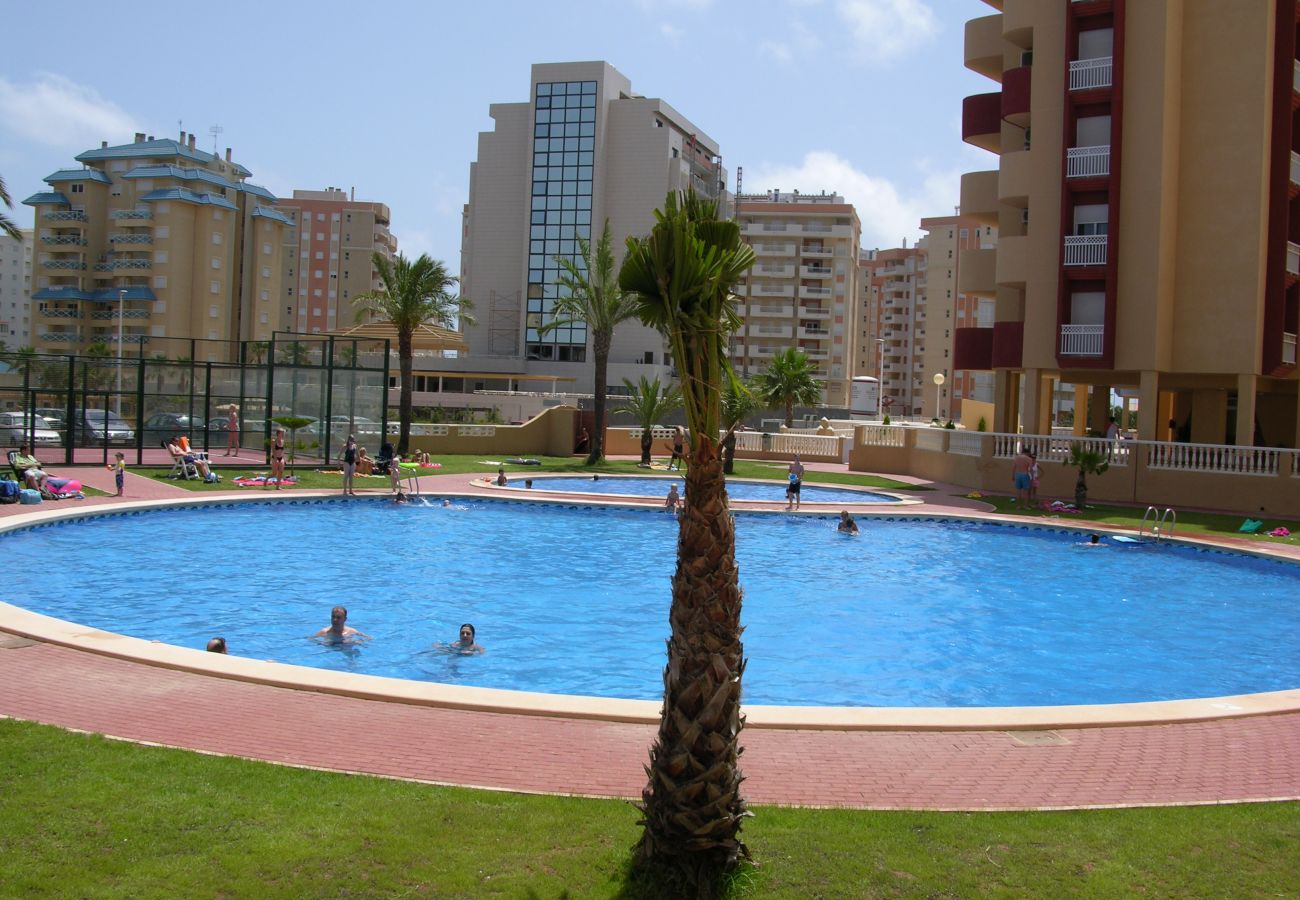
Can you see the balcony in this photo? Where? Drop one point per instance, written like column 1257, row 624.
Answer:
column 767, row 248
column 771, row 290
column 1091, row 74
column 132, row 263
column 76, row 240
column 65, row 215
column 75, row 264
column 979, row 195
column 1292, row 260
column 59, row 312
column 758, row 310
column 810, row 293
column 126, row 314
column 1015, row 95
column 1082, row 340
column 815, row 272
column 815, row 250
column 61, row 337
column 773, row 270
column 814, row 312
column 1094, row 162
column 820, row 334
column 983, row 46
column 763, row 227
column 981, row 121
column 134, row 237
column 1018, row 22
column 127, row 216
column 1012, row 267
column 1288, row 348
column 1090, row 250
column 772, row 332
column 977, row 272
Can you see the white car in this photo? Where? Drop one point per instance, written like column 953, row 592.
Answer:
column 16, row 429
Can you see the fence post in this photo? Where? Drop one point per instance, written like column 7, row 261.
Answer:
column 139, row 408
column 329, row 400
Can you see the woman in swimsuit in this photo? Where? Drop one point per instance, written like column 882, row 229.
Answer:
column 277, row 457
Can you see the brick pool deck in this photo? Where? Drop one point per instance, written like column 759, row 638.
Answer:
column 1249, row 758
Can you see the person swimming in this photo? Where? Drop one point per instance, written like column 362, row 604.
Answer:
column 465, row 645
column 339, row 632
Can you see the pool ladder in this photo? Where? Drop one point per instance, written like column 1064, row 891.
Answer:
column 1159, row 519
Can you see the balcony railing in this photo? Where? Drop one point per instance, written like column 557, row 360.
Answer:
column 816, row 251
column 121, row 214
column 1292, row 258
column 816, row 271
column 133, row 264
column 55, row 337
column 1087, row 162
column 77, row 240
column 765, row 248
column 1090, row 74
column 1082, row 340
column 126, row 314
column 1086, row 250
column 814, row 312
column 137, row 237
column 64, row 264
column 1288, row 348
column 59, row 313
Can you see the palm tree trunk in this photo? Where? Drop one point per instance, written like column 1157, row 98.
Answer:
column 729, row 454
column 600, row 347
column 692, row 804
column 789, row 413
column 647, row 443
column 404, row 354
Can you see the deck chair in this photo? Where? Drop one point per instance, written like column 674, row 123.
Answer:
column 384, row 459
column 181, row 468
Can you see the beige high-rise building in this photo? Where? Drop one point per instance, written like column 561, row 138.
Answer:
column 948, row 309
column 161, row 240
column 329, row 256
column 582, row 150
column 1145, row 196
column 893, row 318
column 16, row 290
column 803, row 289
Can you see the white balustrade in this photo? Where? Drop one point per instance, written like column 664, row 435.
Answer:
column 1082, row 340
column 1089, row 250
column 1288, row 348
column 965, row 443
column 1217, row 458
column 1090, row 74
column 880, row 436
column 1093, row 162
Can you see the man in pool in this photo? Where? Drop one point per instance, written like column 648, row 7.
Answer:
column 217, row 645
column 847, row 525
column 466, row 645
column 339, row 632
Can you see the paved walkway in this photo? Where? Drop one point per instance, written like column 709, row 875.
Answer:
column 1244, row 759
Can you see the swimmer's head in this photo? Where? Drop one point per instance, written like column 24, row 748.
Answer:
column 217, row 645
column 467, row 633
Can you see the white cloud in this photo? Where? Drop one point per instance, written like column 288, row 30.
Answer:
column 58, row 112
column 414, row 242
column 888, row 215
column 885, row 30
column 672, row 34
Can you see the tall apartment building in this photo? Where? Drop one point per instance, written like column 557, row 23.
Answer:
column 948, row 309
column 803, row 288
column 16, row 290
column 329, row 256
column 1148, row 230
column 892, row 321
column 173, row 239
column 582, row 150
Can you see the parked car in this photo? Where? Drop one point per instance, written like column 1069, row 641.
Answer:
column 54, row 417
column 17, row 428
column 100, row 426
column 163, row 426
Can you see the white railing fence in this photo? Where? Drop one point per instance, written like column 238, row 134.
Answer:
column 1085, row 250
column 1212, row 458
column 1089, row 74
column 1087, row 162
column 1082, row 340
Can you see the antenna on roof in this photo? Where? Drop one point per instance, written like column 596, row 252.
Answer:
column 215, row 131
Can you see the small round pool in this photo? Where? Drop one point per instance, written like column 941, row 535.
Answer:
column 657, row 486
column 575, row 600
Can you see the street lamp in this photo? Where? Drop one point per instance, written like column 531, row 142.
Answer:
column 880, row 382
column 121, row 315
column 938, row 385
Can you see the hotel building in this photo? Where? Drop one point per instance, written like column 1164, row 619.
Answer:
column 16, row 290
column 328, row 257
column 803, row 288
column 892, row 327
column 173, row 240
column 1146, row 202
column 583, row 149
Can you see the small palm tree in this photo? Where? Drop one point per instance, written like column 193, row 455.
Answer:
column 7, row 225
column 682, row 274
column 257, row 351
column 98, row 375
column 648, row 402
column 788, row 381
column 739, row 402
column 1088, row 462
column 413, row 294
column 590, row 293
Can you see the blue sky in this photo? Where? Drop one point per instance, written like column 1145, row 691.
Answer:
column 862, row 97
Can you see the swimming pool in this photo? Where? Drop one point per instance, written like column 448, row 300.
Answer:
column 575, row 600
column 657, row 486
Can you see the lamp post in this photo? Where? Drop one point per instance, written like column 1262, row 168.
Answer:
column 938, row 386
column 880, row 382
column 121, row 315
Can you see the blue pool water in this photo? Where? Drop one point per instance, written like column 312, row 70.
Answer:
column 575, row 600
column 657, row 486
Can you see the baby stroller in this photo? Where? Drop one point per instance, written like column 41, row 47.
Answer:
column 385, row 458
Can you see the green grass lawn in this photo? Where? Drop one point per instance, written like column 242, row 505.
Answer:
column 310, row 478
column 1190, row 522
column 88, row 817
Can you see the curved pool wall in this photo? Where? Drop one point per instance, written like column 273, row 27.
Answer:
column 656, row 487
column 41, row 628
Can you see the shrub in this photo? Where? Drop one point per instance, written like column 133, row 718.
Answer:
column 885, row 420
column 982, row 425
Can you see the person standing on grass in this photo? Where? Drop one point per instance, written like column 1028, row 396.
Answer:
column 232, row 431
column 1020, row 467
column 118, row 468
column 277, row 458
column 349, row 465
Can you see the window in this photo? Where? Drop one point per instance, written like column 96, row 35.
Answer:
column 162, row 232
column 266, row 249
column 317, row 274
column 263, row 318
column 266, row 271
column 320, row 217
column 320, row 235
column 216, row 237
column 216, row 262
column 160, row 256
column 78, row 188
column 218, row 215
column 214, row 287
column 160, row 281
column 320, row 254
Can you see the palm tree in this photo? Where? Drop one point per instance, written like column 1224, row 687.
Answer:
column 8, row 225
column 739, row 402
column 257, row 351
column 414, row 294
column 98, row 376
column 682, row 274
column 1088, row 462
column 648, row 402
column 788, row 380
column 590, row 293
